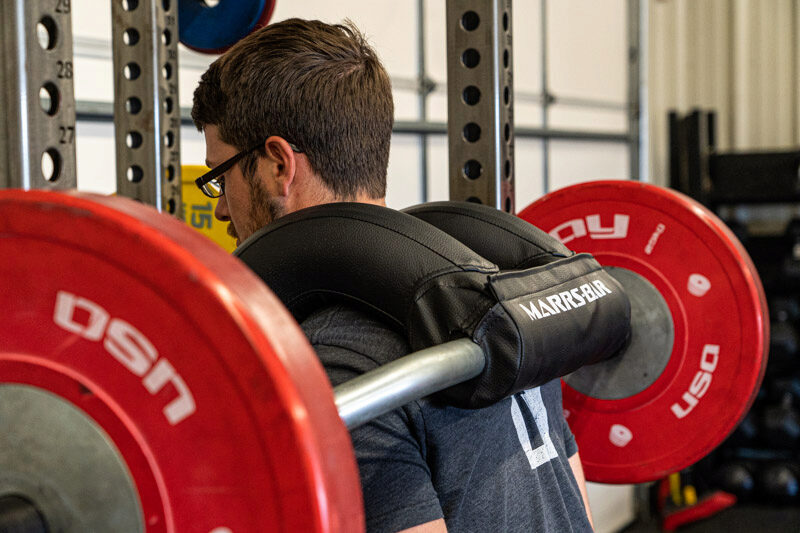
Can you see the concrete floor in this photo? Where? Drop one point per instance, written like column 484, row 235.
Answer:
column 738, row 519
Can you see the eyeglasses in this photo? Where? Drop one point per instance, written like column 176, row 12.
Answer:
column 212, row 183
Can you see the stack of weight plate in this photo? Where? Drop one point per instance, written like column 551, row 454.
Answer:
column 760, row 462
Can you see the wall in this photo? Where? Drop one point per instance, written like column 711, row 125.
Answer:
column 586, row 73
column 740, row 58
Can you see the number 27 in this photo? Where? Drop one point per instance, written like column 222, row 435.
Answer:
column 67, row 134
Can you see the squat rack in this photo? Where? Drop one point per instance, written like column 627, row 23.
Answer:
column 38, row 149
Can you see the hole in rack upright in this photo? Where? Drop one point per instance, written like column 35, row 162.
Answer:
column 471, row 95
column 472, row 169
column 470, row 58
column 51, row 164
column 470, row 20
column 472, row 132
column 130, row 36
column 134, row 173
column 131, row 71
column 133, row 105
column 49, row 98
column 133, row 139
column 47, row 33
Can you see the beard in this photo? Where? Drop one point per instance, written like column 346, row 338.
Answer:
column 264, row 208
column 232, row 232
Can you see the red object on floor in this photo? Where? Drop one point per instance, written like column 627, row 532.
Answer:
column 705, row 508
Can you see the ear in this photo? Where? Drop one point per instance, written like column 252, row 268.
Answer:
column 281, row 155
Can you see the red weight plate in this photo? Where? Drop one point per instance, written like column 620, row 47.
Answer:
column 202, row 380
column 719, row 314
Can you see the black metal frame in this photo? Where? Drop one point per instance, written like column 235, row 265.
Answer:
column 714, row 178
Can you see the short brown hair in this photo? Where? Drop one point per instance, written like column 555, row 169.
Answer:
column 319, row 86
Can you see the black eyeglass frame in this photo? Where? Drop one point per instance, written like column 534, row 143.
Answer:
column 226, row 165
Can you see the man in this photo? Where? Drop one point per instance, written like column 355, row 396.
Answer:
column 298, row 114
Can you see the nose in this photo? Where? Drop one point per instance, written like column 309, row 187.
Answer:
column 221, row 211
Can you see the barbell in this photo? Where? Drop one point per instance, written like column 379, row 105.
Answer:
column 148, row 380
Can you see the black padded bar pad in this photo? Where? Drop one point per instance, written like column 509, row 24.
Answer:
column 552, row 317
column 573, row 314
column 364, row 254
column 533, row 324
column 508, row 241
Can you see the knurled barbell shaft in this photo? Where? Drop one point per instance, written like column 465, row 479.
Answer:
column 409, row 378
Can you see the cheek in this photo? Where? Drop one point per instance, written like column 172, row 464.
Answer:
column 239, row 205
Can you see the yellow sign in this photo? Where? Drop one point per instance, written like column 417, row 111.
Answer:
column 198, row 209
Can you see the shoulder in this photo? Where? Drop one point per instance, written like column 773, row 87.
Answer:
column 551, row 392
column 349, row 341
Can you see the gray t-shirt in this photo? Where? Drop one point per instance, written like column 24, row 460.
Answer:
column 502, row 468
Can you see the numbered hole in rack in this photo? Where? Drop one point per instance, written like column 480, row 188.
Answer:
column 508, row 204
column 133, row 105
column 168, row 105
column 131, row 71
column 130, row 36
column 472, row 132
column 507, row 131
column 508, row 169
column 166, row 37
column 51, row 164
column 133, row 139
column 170, row 172
column 134, row 173
column 169, row 139
column 47, row 33
column 171, row 206
column 506, row 95
column 474, row 200
column 505, row 21
column 470, row 58
column 166, row 4
column 166, row 71
column 49, row 98
column 505, row 59
column 130, row 5
column 470, row 20
column 471, row 95
column 472, row 169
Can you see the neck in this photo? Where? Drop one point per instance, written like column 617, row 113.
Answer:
column 309, row 190
column 374, row 201
column 311, row 196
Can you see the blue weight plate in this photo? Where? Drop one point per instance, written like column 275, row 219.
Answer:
column 212, row 30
